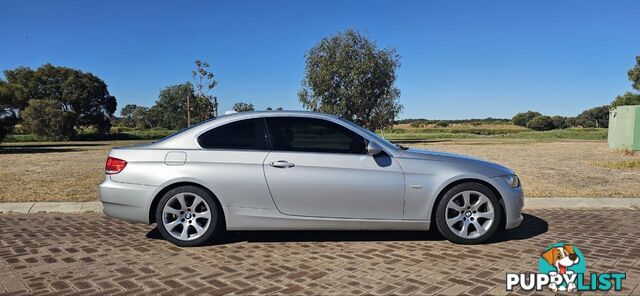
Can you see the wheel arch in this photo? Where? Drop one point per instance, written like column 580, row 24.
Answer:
column 158, row 196
column 444, row 190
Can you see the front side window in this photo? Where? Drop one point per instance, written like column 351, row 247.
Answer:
column 240, row 135
column 313, row 135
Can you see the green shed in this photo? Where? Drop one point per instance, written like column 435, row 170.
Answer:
column 624, row 127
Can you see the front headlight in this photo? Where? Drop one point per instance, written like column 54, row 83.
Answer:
column 512, row 180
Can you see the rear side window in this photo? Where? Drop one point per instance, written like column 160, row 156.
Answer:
column 313, row 135
column 240, row 135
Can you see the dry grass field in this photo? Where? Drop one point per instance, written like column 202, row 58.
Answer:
column 558, row 168
column 71, row 171
column 53, row 171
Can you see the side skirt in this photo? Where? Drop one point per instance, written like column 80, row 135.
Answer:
column 264, row 219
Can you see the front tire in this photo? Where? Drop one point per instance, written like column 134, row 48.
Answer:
column 469, row 213
column 187, row 216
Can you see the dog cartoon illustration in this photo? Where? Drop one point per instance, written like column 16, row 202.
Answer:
column 561, row 258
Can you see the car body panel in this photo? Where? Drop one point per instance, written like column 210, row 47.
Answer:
column 336, row 185
column 396, row 190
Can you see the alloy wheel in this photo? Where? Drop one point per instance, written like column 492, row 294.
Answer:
column 186, row 216
column 469, row 214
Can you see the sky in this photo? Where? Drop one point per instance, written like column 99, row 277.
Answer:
column 459, row 59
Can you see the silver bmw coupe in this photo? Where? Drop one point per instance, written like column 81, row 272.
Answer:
column 291, row 170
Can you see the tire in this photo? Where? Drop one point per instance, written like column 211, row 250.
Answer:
column 191, row 207
column 463, row 222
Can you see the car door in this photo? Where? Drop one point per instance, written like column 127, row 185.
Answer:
column 319, row 168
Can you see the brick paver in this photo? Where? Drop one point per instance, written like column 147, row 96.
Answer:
column 93, row 254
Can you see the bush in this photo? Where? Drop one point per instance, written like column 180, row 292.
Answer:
column 442, row 124
column 46, row 118
column 7, row 121
column 417, row 124
column 559, row 122
column 521, row 119
column 541, row 123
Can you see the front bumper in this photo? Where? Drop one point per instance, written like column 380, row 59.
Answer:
column 513, row 199
column 124, row 201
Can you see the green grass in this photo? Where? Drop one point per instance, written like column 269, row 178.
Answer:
column 457, row 133
column 396, row 134
column 122, row 134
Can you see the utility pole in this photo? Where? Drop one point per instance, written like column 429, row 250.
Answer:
column 188, row 112
column 215, row 107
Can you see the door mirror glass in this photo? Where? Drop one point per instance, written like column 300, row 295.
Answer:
column 373, row 148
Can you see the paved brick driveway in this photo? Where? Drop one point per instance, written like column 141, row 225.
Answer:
column 89, row 253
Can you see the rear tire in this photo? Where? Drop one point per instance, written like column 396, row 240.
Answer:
column 187, row 216
column 469, row 213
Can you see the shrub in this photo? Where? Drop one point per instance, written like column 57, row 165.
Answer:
column 521, row 119
column 442, row 124
column 417, row 124
column 7, row 122
column 541, row 123
column 559, row 122
column 46, row 118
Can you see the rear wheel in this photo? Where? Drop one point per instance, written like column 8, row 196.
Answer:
column 187, row 216
column 468, row 213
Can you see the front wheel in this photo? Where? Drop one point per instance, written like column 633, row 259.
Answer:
column 187, row 216
column 468, row 213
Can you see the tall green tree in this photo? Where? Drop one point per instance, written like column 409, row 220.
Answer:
column 80, row 92
column 136, row 116
column 170, row 108
column 8, row 110
column 595, row 117
column 203, row 83
column 243, row 107
column 630, row 98
column 521, row 119
column 634, row 74
column 347, row 75
column 47, row 118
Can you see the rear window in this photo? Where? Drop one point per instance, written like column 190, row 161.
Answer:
column 240, row 135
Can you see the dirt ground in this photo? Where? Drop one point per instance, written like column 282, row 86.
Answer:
column 71, row 171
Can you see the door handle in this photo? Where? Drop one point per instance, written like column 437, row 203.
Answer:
column 281, row 164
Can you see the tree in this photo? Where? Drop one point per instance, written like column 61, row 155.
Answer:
column 8, row 111
column 630, row 98
column 82, row 93
column 521, row 119
column 170, row 108
column 540, row 123
column 243, row 107
column 203, row 82
column 127, row 115
column 136, row 116
column 47, row 118
column 634, row 74
column 347, row 75
column 595, row 117
column 559, row 122
column 627, row 99
column 442, row 123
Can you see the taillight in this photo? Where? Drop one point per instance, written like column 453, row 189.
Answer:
column 114, row 165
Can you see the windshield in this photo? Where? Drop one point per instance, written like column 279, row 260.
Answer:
column 372, row 134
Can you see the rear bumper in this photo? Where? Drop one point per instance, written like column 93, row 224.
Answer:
column 124, row 201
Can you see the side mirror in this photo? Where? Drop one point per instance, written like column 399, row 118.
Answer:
column 373, row 148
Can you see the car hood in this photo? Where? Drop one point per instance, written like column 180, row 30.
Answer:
column 471, row 163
